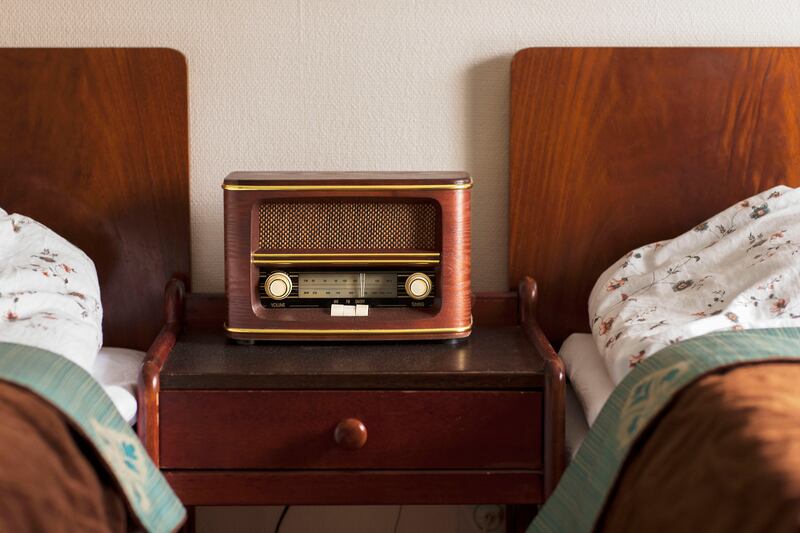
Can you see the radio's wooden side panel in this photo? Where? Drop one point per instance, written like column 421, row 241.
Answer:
column 449, row 317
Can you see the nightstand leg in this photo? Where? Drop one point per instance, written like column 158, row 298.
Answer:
column 519, row 517
column 188, row 526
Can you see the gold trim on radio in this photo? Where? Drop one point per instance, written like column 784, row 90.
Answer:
column 347, row 254
column 461, row 329
column 422, row 187
column 301, row 261
column 399, row 258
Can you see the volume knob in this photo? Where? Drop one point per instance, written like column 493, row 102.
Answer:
column 278, row 285
column 418, row 286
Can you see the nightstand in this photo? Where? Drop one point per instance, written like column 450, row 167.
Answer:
column 477, row 421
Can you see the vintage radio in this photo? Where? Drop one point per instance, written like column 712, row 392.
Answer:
column 347, row 256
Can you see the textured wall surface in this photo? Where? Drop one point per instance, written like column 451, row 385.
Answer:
column 369, row 85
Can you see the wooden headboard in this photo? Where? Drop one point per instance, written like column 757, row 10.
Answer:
column 94, row 144
column 612, row 148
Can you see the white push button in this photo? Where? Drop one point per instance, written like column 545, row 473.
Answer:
column 348, row 310
column 336, row 310
column 362, row 310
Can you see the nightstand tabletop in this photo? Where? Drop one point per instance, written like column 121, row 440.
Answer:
column 492, row 358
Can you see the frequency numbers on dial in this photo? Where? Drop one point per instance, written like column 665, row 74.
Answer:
column 347, row 285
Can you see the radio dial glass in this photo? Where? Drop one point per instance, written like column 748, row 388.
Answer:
column 347, row 285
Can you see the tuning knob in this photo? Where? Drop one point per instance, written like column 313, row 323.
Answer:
column 278, row 285
column 350, row 434
column 418, row 286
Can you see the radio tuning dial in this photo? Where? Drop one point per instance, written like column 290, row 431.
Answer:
column 418, row 286
column 278, row 285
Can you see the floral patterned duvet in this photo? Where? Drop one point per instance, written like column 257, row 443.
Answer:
column 49, row 293
column 738, row 270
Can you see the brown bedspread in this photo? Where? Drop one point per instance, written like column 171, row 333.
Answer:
column 724, row 457
column 50, row 479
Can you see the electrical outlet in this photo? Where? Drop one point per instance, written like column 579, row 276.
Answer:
column 489, row 517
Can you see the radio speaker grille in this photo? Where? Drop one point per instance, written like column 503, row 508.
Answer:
column 347, row 226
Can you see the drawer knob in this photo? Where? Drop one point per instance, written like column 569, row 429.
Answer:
column 350, row 434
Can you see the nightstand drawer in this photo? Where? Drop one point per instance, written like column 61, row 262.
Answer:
column 207, row 429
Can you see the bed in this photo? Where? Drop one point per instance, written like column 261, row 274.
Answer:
column 94, row 145
column 614, row 148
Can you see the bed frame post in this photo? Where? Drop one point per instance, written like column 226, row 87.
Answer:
column 554, row 388
column 149, row 384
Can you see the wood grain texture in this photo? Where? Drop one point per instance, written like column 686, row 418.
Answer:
column 94, row 144
column 612, row 148
column 355, row 487
column 296, row 429
column 452, row 307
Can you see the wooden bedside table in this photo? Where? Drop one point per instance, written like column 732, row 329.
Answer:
column 479, row 421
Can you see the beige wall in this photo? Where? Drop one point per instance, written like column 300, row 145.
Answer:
column 369, row 85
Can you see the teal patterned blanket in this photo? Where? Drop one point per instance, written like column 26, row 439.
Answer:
column 82, row 400
column 579, row 498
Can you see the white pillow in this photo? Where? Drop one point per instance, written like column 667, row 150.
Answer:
column 124, row 401
column 118, row 366
column 49, row 292
column 117, row 370
column 587, row 373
